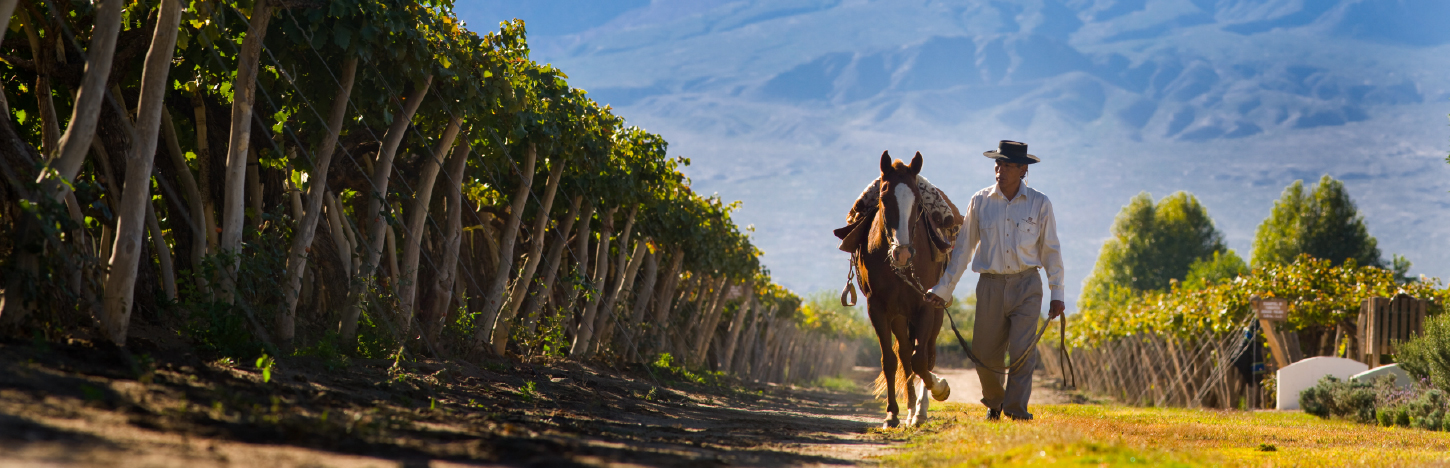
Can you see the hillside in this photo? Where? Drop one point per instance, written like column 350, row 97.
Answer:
column 786, row 104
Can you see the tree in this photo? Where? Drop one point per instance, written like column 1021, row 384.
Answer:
column 376, row 219
column 243, row 97
column 64, row 156
column 417, row 214
column 1216, row 270
column 66, row 161
column 307, row 225
column 1151, row 245
column 136, row 194
column 1324, row 224
column 293, row 201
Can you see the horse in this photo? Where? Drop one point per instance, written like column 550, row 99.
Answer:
column 890, row 272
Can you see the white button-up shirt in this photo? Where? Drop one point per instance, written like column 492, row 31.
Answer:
column 1004, row 237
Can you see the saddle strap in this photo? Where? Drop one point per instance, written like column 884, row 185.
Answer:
column 935, row 236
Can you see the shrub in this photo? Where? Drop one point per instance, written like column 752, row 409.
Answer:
column 1332, row 397
column 1427, row 411
column 1429, row 422
column 1319, row 294
column 1421, row 406
column 1428, row 355
column 1386, row 417
column 222, row 328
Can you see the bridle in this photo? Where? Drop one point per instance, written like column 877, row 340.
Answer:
column 911, row 219
column 907, row 274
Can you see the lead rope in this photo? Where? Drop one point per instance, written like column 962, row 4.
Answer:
column 1066, row 356
column 1016, row 362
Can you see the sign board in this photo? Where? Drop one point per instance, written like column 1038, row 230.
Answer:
column 734, row 292
column 1274, row 309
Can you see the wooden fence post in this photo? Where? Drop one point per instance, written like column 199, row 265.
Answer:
column 1385, row 322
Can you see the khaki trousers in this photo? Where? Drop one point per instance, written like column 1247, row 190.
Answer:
column 1008, row 307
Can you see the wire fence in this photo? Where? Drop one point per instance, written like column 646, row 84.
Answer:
column 1161, row 368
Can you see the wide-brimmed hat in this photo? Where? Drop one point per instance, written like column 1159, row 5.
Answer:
column 1012, row 152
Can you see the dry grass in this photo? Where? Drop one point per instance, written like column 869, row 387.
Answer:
column 1077, row 435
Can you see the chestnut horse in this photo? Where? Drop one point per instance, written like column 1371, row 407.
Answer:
column 892, row 275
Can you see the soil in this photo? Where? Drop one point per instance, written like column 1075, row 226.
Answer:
column 78, row 404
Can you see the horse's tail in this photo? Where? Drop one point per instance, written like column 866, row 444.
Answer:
column 878, row 388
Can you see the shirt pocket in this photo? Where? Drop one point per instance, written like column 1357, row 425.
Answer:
column 1027, row 229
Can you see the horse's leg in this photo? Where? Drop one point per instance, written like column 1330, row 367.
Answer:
column 888, row 365
column 920, row 360
column 915, row 387
column 923, row 403
column 905, row 348
column 942, row 390
column 925, row 332
column 912, row 404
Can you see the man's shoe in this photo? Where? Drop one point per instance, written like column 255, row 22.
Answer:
column 1023, row 417
column 994, row 415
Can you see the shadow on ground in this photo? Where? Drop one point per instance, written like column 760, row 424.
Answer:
column 81, row 404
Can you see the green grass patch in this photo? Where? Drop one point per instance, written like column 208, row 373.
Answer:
column 670, row 371
column 1077, row 435
column 839, row 384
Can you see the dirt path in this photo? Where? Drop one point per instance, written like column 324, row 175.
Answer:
column 75, row 405
column 967, row 388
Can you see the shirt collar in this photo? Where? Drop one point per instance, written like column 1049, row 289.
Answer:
column 1021, row 192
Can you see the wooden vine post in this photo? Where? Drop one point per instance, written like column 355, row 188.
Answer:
column 1270, row 312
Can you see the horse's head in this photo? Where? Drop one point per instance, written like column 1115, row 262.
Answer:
column 898, row 204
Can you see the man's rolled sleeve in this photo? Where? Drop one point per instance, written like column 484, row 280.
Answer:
column 961, row 258
column 1051, row 253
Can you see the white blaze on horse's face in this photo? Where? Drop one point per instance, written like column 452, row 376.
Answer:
column 905, row 199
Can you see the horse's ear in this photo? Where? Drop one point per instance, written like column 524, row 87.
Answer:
column 885, row 162
column 916, row 163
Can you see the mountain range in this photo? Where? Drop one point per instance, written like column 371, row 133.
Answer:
column 788, row 104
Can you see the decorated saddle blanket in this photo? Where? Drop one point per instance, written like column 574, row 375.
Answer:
column 940, row 213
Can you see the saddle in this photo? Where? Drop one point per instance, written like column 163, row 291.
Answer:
column 943, row 220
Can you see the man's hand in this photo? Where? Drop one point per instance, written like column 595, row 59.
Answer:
column 1054, row 310
column 936, row 301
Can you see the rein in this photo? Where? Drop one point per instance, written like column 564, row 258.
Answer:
column 908, row 275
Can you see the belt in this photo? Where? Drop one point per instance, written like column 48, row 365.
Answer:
column 1016, row 275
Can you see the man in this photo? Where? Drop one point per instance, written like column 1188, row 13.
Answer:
column 1008, row 234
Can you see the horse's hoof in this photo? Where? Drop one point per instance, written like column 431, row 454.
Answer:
column 941, row 390
column 891, row 423
column 916, row 418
